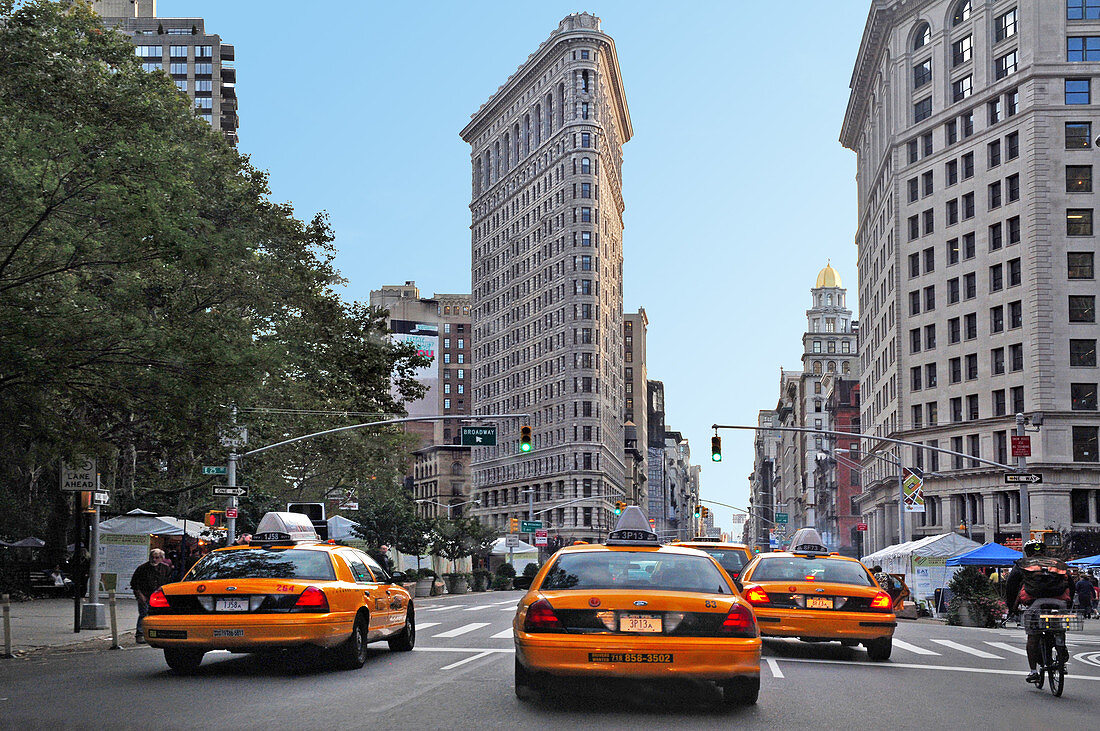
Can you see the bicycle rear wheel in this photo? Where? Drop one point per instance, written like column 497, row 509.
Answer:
column 1045, row 658
column 1056, row 669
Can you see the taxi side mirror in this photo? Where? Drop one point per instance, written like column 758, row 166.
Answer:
column 738, row 584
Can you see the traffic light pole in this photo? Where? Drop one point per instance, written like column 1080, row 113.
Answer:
column 1025, row 499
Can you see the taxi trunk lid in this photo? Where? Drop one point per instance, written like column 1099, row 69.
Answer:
column 235, row 596
column 626, row 612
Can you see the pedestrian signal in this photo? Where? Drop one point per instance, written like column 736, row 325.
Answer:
column 525, row 439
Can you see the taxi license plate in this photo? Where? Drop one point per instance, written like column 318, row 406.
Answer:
column 639, row 623
column 231, row 605
column 819, row 602
column 229, row 633
column 661, row 657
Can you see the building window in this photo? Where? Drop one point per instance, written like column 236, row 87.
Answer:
column 914, row 151
column 952, row 211
column 1005, row 65
column 1082, row 308
column 968, row 166
column 1017, row 394
column 1080, row 265
column 952, row 290
column 1078, row 178
column 1015, row 272
column 997, row 361
column 968, row 244
column 914, row 340
column 996, row 319
column 960, row 89
column 1083, row 48
column 922, row 110
column 150, row 67
column 1013, row 230
column 961, row 50
column 951, row 132
column 967, row 124
column 1012, row 146
column 968, row 206
column 970, row 286
column 149, row 51
column 1012, row 182
column 1078, row 135
column 181, row 84
column 177, row 51
column 972, row 366
column 914, row 227
column 962, row 13
column 1015, row 315
column 1016, row 357
column 1085, row 444
column 996, row 278
column 1082, row 353
column 1004, row 26
column 993, row 153
column 999, row 406
column 929, row 298
column 956, row 410
column 1082, row 9
column 1083, row 396
column 930, row 368
column 1079, row 222
column 954, row 370
column 970, row 326
column 1077, row 91
column 929, row 221
column 914, row 302
column 996, row 237
column 995, row 195
column 922, row 73
column 1012, row 102
column 922, row 37
column 954, row 330
column 204, row 69
column 952, row 252
column 951, row 173
column 204, row 51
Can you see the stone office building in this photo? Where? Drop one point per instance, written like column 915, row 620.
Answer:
column 546, row 242
column 973, row 124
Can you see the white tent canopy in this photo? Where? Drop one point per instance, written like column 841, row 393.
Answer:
column 141, row 522
column 500, row 548
column 923, row 561
column 341, row 528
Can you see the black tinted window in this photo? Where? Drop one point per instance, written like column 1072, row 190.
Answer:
column 731, row 561
column 358, row 569
column 635, row 570
column 264, row 563
column 797, row 568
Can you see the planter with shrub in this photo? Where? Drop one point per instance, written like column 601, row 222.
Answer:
column 481, row 580
column 974, row 601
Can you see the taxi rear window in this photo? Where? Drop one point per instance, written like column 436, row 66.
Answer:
column 732, row 560
column 634, row 570
column 264, row 563
column 797, row 568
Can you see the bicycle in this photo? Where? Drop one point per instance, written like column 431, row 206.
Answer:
column 1052, row 625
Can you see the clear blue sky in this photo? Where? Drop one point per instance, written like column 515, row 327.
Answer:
column 736, row 188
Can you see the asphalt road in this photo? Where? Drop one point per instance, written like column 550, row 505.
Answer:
column 460, row 676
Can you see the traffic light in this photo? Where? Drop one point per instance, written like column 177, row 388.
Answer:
column 513, row 525
column 214, row 519
column 716, row 448
column 698, row 512
column 619, row 507
column 525, row 438
column 706, row 511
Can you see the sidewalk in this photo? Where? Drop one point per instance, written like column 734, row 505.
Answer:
column 48, row 623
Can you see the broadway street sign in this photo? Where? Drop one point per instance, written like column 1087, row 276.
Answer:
column 1017, row 477
column 479, row 436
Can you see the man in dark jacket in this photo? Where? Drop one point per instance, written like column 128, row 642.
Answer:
column 147, row 578
column 1085, row 591
column 1037, row 583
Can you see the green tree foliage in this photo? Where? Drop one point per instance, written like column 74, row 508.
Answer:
column 147, row 281
column 461, row 537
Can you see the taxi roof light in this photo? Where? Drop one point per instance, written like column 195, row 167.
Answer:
column 632, row 529
column 312, row 598
column 541, row 618
column 157, row 600
column 757, row 595
column 882, row 602
column 277, row 527
column 808, row 541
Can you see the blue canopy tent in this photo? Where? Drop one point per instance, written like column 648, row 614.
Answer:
column 991, row 554
column 1087, row 561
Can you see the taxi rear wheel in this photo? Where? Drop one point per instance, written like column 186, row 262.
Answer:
column 741, row 691
column 405, row 639
column 352, row 654
column 527, row 683
column 879, row 649
column 183, row 661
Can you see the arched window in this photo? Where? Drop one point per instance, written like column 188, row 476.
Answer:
column 515, row 143
column 817, row 368
column 538, row 125
column 488, row 168
column 526, row 134
column 829, row 299
column 477, row 175
column 447, row 310
column 507, row 153
column 962, row 13
column 561, row 105
column 496, row 154
column 584, row 81
column 846, row 368
column 549, row 114
column 922, row 37
column 456, row 468
column 832, row 366
column 586, row 165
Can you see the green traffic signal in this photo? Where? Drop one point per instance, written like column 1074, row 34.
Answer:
column 525, row 439
column 716, row 448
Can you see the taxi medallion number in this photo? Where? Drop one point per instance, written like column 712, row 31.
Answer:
column 661, row 657
column 231, row 605
column 229, row 633
column 819, row 602
column 639, row 623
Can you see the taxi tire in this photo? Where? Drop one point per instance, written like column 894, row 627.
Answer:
column 741, row 691
column 527, row 683
column 406, row 638
column 183, row 661
column 352, row 654
column 878, row 650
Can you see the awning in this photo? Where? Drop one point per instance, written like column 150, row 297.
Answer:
column 991, row 554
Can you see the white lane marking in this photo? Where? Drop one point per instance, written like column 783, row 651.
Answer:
column 774, row 667
column 513, row 602
column 502, row 635
column 912, row 648
column 969, row 650
column 483, row 606
column 915, row 666
column 1007, row 647
column 462, row 630
column 442, row 609
column 464, row 649
column 508, row 609
column 468, row 659
column 420, row 626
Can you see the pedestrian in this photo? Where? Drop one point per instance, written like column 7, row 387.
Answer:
column 881, row 577
column 1084, row 591
column 147, row 578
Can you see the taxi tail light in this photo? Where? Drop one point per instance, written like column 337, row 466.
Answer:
column 157, row 600
column 739, row 622
column 541, row 618
column 882, row 602
column 312, row 600
column 757, row 596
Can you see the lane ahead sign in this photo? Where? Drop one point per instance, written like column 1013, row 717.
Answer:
column 1023, row 477
column 78, row 476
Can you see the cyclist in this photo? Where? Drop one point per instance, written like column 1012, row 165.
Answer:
column 1037, row 583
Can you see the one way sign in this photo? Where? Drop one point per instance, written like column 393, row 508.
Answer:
column 222, row 490
column 479, row 436
column 1018, row 477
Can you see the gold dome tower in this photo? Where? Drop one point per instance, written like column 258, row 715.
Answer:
column 828, row 277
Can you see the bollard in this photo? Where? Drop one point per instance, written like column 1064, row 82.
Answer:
column 6, row 600
column 114, row 621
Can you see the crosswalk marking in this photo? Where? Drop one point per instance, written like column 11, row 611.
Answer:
column 502, row 635
column 466, row 660
column 463, row 629
column 481, row 606
column 421, row 626
column 443, row 609
column 969, row 650
column 1007, row 647
column 912, row 648
column 513, row 602
column 508, row 609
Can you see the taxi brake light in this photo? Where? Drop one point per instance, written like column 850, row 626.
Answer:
column 739, row 622
column 312, row 598
column 541, row 618
column 882, row 602
column 756, row 595
column 157, row 600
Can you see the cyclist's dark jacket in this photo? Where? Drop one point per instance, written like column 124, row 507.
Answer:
column 1038, row 577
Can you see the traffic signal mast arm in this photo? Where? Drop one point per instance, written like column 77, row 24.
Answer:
column 740, row 510
column 868, row 437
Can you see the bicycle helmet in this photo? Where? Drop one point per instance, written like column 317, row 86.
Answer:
column 1033, row 547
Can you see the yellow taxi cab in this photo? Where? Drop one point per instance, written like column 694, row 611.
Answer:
column 818, row 596
column 730, row 556
column 636, row 609
column 286, row 589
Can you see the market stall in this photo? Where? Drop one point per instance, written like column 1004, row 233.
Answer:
column 125, row 542
column 923, row 561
